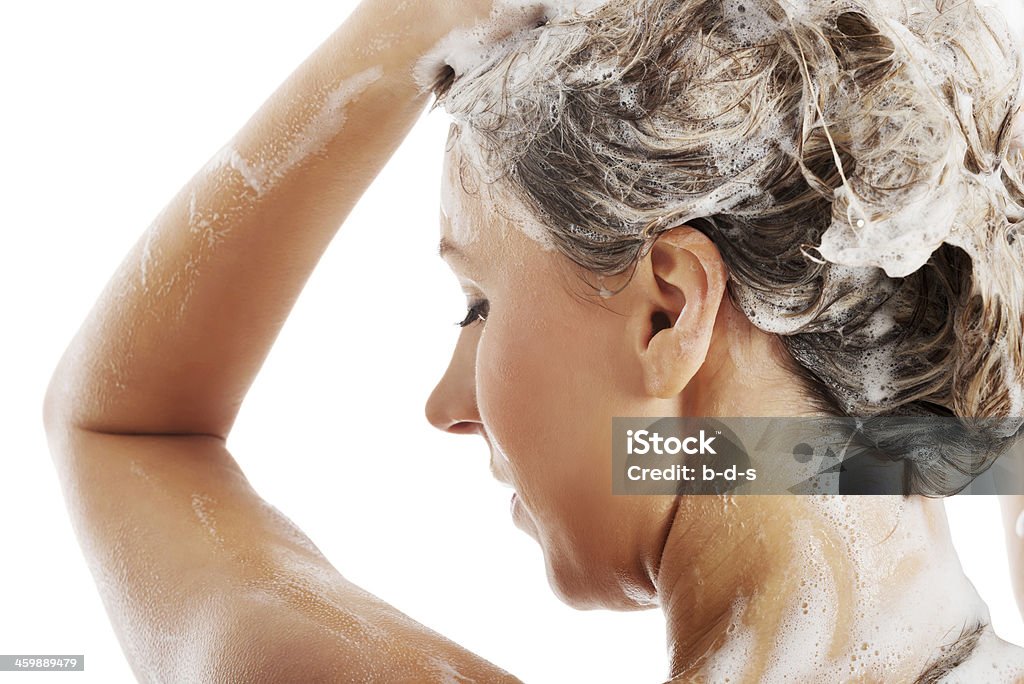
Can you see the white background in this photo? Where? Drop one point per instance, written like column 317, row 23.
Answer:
column 108, row 108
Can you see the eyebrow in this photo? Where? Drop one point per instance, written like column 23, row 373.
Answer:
column 447, row 249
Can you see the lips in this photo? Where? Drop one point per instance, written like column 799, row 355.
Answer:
column 499, row 473
column 500, row 477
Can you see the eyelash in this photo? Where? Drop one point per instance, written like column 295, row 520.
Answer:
column 477, row 312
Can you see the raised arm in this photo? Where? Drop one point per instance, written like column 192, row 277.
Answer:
column 178, row 335
column 201, row 578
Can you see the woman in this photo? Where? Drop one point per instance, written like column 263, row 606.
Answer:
column 655, row 209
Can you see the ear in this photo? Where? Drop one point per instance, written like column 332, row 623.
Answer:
column 684, row 286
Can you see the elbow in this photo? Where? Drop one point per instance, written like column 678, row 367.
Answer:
column 57, row 414
column 59, row 402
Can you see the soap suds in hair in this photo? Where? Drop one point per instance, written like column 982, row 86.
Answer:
column 464, row 172
column 470, row 48
column 844, row 156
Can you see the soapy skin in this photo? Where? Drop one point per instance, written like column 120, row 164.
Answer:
column 205, row 581
column 760, row 589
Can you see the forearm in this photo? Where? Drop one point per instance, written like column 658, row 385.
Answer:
column 180, row 331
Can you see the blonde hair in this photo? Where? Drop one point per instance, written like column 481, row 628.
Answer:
column 854, row 161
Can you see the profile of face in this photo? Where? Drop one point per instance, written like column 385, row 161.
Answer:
column 541, row 378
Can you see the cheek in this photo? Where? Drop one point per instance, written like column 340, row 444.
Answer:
column 547, row 388
column 542, row 391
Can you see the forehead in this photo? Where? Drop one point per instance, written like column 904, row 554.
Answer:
column 471, row 210
column 480, row 205
column 455, row 200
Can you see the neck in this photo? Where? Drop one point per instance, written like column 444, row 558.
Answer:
column 828, row 588
column 745, row 373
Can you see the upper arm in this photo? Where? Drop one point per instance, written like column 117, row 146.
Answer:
column 205, row 581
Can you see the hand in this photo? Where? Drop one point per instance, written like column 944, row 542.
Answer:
column 476, row 27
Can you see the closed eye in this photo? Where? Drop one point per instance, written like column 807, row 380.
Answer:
column 477, row 312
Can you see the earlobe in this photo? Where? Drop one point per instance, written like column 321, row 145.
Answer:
column 687, row 285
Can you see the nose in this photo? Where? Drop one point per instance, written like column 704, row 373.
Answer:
column 452, row 406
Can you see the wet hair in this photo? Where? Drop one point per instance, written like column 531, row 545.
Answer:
column 953, row 654
column 858, row 164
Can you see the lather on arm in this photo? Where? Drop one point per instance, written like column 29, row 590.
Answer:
column 202, row 579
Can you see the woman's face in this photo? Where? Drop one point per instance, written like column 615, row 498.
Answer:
column 540, row 380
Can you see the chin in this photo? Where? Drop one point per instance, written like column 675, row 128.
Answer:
column 590, row 586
